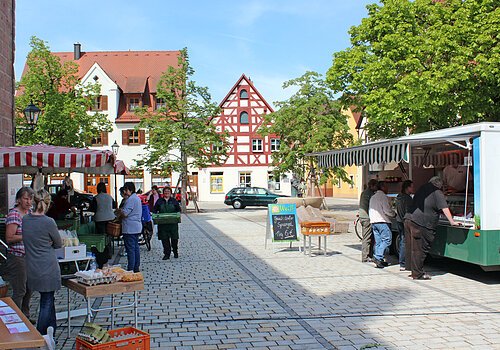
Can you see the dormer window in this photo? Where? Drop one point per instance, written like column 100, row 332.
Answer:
column 160, row 103
column 133, row 104
column 243, row 118
column 243, row 94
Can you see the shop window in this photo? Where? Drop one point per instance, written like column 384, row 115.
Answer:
column 275, row 145
column 161, row 178
column 257, row 145
column 136, row 176
column 273, row 182
column 245, row 179
column 243, row 118
column 216, row 182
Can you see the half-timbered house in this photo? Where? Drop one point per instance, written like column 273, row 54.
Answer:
column 250, row 156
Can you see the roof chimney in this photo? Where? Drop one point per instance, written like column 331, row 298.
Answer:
column 77, row 51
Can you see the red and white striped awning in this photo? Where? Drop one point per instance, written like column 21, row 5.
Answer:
column 50, row 159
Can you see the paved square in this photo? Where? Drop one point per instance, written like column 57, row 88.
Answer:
column 227, row 292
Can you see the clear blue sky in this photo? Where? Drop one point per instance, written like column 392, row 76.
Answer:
column 271, row 41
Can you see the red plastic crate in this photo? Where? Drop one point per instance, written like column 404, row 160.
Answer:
column 139, row 342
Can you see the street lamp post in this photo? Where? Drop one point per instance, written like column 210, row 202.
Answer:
column 32, row 112
column 115, row 148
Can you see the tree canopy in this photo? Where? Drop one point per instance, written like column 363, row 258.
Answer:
column 55, row 88
column 309, row 121
column 422, row 65
column 181, row 134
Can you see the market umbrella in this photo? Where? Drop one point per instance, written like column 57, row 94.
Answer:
column 52, row 159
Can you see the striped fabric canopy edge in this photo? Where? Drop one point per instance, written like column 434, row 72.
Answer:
column 27, row 159
column 362, row 155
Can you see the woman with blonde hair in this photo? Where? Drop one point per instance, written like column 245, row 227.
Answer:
column 41, row 238
column 16, row 262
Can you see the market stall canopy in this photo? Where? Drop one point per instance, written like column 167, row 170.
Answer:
column 396, row 150
column 53, row 159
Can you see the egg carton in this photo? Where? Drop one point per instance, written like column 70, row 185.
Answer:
column 96, row 280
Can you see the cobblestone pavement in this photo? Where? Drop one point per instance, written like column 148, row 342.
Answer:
column 226, row 291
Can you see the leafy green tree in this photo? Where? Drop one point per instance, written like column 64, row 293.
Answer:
column 422, row 65
column 181, row 134
column 55, row 88
column 309, row 121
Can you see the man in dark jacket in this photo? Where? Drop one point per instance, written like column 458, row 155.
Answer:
column 429, row 202
column 364, row 219
column 403, row 205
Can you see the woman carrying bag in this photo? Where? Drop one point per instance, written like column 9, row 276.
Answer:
column 168, row 233
column 41, row 238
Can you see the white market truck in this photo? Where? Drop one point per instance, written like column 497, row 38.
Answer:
column 473, row 151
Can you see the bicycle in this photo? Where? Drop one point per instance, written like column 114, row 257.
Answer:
column 357, row 227
column 147, row 234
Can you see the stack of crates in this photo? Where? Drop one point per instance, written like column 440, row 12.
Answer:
column 128, row 338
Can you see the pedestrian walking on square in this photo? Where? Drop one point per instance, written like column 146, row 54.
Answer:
column 403, row 205
column 380, row 218
column 168, row 233
column 428, row 203
column 364, row 219
column 131, row 212
column 41, row 238
column 16, row 262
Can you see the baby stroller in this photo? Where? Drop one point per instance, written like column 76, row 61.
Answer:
column 147, row 227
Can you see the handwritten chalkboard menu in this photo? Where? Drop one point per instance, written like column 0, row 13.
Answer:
column 284, row 222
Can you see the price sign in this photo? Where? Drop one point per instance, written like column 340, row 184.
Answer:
column 284, row 222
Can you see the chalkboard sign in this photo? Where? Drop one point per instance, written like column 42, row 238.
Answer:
column 284, row 222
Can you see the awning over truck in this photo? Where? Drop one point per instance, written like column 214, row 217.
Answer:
column 396, row 150
column 374, row 152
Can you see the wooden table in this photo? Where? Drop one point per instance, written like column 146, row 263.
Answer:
column 31, row 339
column 317, row 229
column 102, row 290
column 319, row 241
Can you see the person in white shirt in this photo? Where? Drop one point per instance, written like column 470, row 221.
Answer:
column 454, row 178
column 380, row 213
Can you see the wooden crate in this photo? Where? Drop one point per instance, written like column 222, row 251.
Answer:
column 315, row 228
column 141, row 341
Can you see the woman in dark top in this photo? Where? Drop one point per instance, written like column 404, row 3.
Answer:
column 168, row 233
column 41, row 238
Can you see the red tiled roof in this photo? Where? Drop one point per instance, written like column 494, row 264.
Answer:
column 131, row 70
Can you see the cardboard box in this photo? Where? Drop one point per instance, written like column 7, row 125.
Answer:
column 75, row 252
